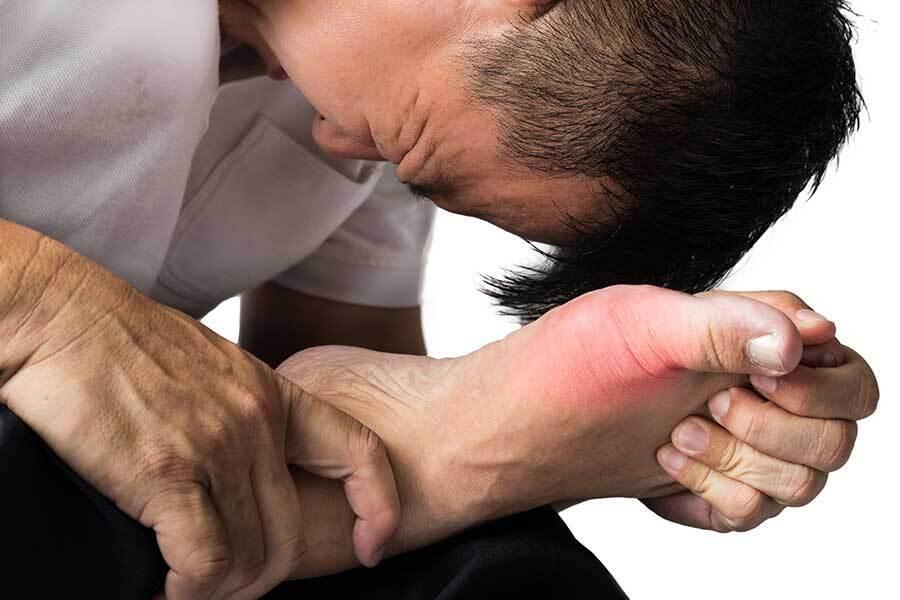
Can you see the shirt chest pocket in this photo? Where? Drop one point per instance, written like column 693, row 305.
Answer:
column 267, row 205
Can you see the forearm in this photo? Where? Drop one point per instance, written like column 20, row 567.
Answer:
column 64, row 319
column 42, row 283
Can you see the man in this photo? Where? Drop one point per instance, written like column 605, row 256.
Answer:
column 130, row 244
column 535, row 114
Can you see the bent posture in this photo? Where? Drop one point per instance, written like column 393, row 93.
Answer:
column 649, row 142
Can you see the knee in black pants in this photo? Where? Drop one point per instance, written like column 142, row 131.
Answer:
column 60, row 537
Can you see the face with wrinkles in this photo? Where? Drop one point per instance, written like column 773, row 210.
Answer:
column 389, row 81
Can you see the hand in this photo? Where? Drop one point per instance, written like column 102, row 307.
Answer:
column 239, row 20
column 573, row 406
column 193, row 438
column 774, row 448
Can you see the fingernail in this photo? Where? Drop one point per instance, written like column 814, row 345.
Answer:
column 764, row 352
column 378, row 557
column 766, row 385
column 810, row 316
column 672, row 459
column 719, row 405
column 692, row 437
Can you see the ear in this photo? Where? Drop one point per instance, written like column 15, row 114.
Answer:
column 336, row 142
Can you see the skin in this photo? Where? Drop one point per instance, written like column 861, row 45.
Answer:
column 388, row 79
column 607, row 392
column 389, row 86
column 388, row 82
column 120, row 385
column 99, row 371
column 187, row 433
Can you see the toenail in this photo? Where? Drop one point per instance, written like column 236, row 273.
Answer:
column 765, row 352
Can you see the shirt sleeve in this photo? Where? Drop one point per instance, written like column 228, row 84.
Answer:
column 376, row 257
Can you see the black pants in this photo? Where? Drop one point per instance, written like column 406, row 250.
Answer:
column 60, row 539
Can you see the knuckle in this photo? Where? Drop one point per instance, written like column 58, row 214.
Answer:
column 720, row 523
column 865, row 402
column 744, row 507
column 167, row 465
column 291, row 553
column 801, row 402
column 216, row 435
column 366, row 445
column 789, row 299
column 840, row 446
column 254, row 408
column 701, row 483
column 250, row 571
column 755, row 425
column 803, row 486
column 730, row 456
column 209, row 565
column 743, row 526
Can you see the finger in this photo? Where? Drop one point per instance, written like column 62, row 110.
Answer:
column 192, row 539
column 282, row 525
column 822, row 444
column 331, row 444
column 236, row 504
column 787, row 483
column 814, row 328
column 824, row 356
column 735, row 505
column 721, row 333
column 846, row 392
column 685, row 508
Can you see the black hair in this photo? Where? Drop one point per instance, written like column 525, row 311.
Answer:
column 702, row 122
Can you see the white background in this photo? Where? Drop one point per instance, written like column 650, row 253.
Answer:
column 839, row 251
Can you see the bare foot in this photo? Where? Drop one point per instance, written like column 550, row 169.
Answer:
column 573, row 406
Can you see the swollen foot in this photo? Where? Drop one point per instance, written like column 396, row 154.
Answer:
column 573, row 406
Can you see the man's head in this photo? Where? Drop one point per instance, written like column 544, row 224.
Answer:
column 650, row 141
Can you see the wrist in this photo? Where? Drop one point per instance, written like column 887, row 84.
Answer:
column 49, row 296
column 29, row 264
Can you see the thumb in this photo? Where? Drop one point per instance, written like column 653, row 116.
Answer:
column 713, row 333
column 331, row 444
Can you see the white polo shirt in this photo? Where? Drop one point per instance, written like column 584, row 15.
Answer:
column 264, row 203
column 102, row 106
